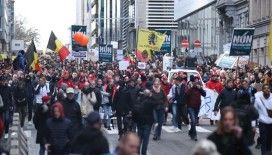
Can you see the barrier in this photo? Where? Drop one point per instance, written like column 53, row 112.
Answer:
column 17, row 138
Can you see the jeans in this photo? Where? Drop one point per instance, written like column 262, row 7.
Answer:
column 30, row 109
column 7, row 118
column 174, row 113
column 21, row 109
column 193, row 113
column 144, row 133
column 107, row 114
column 266, row 137
column 42, row 149
column 159, row 118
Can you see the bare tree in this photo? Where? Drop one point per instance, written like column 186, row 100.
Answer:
column 24, row 33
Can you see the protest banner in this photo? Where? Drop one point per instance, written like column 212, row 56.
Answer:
column 105, row 53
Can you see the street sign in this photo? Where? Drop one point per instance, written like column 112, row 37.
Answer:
column 17, row 45
column 105, row 53
column 184, row 43
column 78, row 28
column 241, row 41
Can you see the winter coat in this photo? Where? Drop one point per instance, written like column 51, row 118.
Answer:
column 72, row 112
column 228, row 144
column 39, row 120
column 87, row 106
column 97, row 95
column 6, row 94
column 121, row 102
column 58, row 133
column 159, row 99
column 20, row 94
column 225, row 98
column 90, row 141
column 193, row 97
column 144, row 112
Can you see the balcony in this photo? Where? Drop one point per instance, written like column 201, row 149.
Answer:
column 224, row 3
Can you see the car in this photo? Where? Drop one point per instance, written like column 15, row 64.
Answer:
column 189, row 72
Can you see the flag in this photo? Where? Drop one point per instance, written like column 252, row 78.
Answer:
column 32, row 58
column 270, row 42
column 55, row 45
column 147, row 42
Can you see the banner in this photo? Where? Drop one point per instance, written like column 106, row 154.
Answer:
column 141, row 65
column 167, row 63
column 123, row 65
column 105, row 53
column 75, row 46
column 241, row 41
column 226, row 61
column 119, row 55
column 80, row 54
column 147, row 42
column 93, row 55
column 166, row 46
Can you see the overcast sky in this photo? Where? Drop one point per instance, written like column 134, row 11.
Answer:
column 47, row 15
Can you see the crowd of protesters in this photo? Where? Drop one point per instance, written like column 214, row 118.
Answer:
column 67, row 100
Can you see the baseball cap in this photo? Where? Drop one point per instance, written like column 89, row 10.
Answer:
column 70, row 90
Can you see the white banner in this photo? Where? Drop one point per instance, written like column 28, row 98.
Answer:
column 207, row 104
column 141, row 65
column 123, row 65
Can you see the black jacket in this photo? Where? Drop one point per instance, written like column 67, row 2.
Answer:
column 6, row 94
column 228, row 144
column 180, row 97
column 90, row 141
column 225, row 98
column 20, row 93
column 144, row 111
column 97, row 95
column 39, row 120
column 121, row 102
column 58, row 133
column 72, row 111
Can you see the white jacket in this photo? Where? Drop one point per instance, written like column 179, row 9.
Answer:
column 262, row 104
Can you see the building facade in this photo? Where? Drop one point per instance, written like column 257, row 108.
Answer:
column 260, row 18
column 6, row 24
column 151, row 14
column 199, row 23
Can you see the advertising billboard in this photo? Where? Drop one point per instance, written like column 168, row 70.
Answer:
column 186, row 7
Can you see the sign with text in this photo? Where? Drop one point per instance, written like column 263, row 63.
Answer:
column 74, row 29
column 17, row 45
column 105, row 53
column 79, row 54
column 241, row 41
column 123, row 65
column 166, row 46
column 141, row 65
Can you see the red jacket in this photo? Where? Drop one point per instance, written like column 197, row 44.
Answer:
column 68, row 82
column 215, row 85
column 193, row 97
column 166, row 88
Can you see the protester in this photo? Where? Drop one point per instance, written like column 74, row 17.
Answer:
column 30, row 97
column 91, row 140
column 193, row 100
column 179, row 109
column 41, row 90
column 20, row 97
column 72, row 111
column 160, row 99
column 263, row 103
column 226, row 97
column 246, row 113
column 41, row 115
column 144, row 118
column 128, row 145
column 121, row 107
column 58, row 132
column 228, row 136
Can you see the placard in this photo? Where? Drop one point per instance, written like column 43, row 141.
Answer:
column 123, row 65
column 105, row 53
column 141, row 65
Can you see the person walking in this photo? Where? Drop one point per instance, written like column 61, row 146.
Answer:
column 193, row 100
column 58, row 132
column 228, row 136
column 20, row 97
column 41, row 90
column 91, row 140
column 160, row 99
column 30, row 97
column 72, row 111
column 225, row 98
column 41, row 115
column 263, row 103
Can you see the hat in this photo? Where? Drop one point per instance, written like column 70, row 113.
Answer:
column 46, row 98
column 93, row 118
column 70, row 90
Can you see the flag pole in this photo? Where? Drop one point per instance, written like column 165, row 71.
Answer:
column 237, row 66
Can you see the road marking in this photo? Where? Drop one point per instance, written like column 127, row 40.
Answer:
column 111, row 132
column 27, row 133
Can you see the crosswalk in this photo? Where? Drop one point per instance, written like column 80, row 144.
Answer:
column 167, row 129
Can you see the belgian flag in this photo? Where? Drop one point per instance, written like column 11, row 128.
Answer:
column 55, row 45
column 32, row 58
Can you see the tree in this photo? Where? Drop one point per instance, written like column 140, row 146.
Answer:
column 24, row 33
